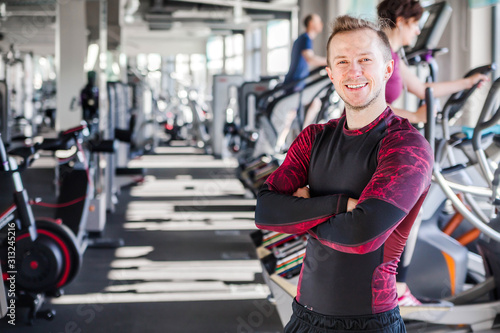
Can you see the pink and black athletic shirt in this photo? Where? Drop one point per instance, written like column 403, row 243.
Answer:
column 351, row 257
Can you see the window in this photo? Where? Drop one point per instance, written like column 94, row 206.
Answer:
column 198, row 72
column 142, row 63
column 154, row 62
column 278, row 41
column 363, row 8
column 215, row 55
column 234, row 54
column 254, row 49
column 482, row 3
column 182, row 65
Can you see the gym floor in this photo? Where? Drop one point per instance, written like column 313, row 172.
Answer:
column 187, row 264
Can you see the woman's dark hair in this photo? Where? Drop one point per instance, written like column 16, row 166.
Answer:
column 390, row 10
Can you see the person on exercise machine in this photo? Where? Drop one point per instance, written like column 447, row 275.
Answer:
column 401, row 18
column 302, row 59
column 303, row 56
column 89, row 98
column 355, row 185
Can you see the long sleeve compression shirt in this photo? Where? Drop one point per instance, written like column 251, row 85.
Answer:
column 351, row 257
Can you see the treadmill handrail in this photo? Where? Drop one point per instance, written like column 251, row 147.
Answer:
column 281, row 87
column 271, row 105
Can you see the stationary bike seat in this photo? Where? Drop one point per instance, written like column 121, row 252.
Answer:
column 56, row 144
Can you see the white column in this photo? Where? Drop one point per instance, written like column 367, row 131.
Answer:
column 480, row 36
column 263, row 52
column 2, row 69
column 455, row 37
column 106, row 118
column 101, row 69
column 28, row 93
column 295, row 25
column 71, row 48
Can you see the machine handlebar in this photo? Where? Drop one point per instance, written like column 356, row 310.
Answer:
column 489, row 104
column 64, row 141
column 430, row 125
column 456, row 101
column 282, row 88
column 3, row 156
column 424, row 55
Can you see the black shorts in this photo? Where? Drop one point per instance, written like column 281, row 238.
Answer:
column 305, row 320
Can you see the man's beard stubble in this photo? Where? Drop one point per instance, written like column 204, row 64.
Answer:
column 362, row 107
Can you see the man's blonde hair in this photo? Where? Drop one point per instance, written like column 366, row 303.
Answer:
column 346, row 23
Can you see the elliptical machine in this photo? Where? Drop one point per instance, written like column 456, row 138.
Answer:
column 478, row 305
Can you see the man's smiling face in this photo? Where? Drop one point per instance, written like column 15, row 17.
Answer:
column 357, row 67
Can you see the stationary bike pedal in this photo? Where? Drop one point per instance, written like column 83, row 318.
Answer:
column 46, row 314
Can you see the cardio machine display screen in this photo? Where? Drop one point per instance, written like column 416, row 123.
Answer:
column 428, row 20
column 433, row 22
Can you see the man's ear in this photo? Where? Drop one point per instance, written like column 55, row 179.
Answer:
column 389, row 69
column 329, row 72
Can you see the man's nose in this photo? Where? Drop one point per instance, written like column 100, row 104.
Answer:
column 355, row 69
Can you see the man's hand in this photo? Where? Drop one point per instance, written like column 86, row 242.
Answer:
column 351, row 204
column 302, row 192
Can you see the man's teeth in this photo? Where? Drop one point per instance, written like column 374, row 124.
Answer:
column 354, row 86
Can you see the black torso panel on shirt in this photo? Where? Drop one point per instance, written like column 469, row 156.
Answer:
column 325, row 291
column 340, row 163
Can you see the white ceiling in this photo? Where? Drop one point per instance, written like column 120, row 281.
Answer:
column 144, row 25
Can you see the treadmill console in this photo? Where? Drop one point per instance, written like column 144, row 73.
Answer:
column 435, row 18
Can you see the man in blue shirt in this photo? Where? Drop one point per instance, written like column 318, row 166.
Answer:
column 303, row 56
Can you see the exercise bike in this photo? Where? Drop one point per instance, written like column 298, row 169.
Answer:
column 42, row 257
column 78, row 183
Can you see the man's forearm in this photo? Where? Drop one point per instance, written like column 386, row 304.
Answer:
column 290, row 214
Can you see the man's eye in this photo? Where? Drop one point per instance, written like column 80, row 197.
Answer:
column 366, row 59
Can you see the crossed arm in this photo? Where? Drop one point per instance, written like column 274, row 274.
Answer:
column 303, row 192
column 397, row 186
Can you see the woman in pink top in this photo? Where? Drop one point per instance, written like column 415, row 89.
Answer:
column 403, row 17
